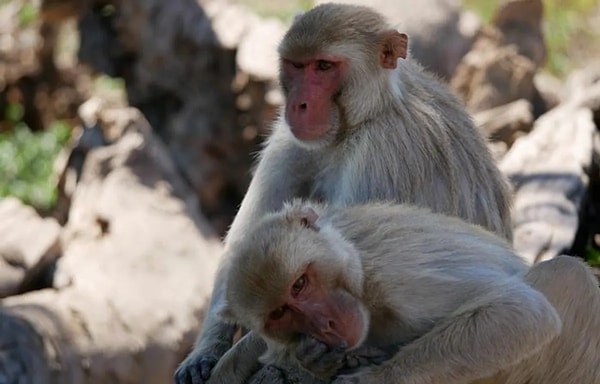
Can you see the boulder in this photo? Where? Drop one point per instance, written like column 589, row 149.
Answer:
column 134, row 280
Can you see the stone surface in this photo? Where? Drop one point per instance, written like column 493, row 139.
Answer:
column 548, row 171
column 507, row 122
column 493, row 73
column 29, row 244
column 134, row 279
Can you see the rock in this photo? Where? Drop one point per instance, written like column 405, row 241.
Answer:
column 520, row 22
column 583, row 91
column 29, row 76
column 582, row 87
column 11, row 275
column 28, row 243
column 178, row 73
column 493, row 74
column 550, row 89
column 135, row 277
column 257, row 53
column 548, row 171
column 231, row 22
column 506, row 123
column 504, row 59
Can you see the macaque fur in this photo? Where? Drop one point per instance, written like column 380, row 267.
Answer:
column 361, row 122
column 458, row 302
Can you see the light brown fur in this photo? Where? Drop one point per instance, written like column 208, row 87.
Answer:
column 455, row 298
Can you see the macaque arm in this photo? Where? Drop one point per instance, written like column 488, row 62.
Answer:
column 495, row 330
column 214, row 340
column 278, row 178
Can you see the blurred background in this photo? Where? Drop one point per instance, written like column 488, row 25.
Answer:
column 128, row 130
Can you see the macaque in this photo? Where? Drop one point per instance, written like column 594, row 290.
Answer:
column 361, row 122
column 449, row 301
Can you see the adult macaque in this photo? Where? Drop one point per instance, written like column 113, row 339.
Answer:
column 361, row 123
column 453, row 301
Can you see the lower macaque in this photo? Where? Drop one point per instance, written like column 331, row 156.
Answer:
column 425, row 297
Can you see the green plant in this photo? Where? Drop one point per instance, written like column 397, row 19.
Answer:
column 592, row 256
column 26, row 161
column 566, row 29
column 565, row 25
column 27, row 14
column 284, row 10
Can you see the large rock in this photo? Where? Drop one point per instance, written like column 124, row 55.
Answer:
column 548, row 171
column 178, row 73
column 493, row 73
column 520, row 22
column 29, row 246
column 505, row 57
column 507, row 122
column 133, row 282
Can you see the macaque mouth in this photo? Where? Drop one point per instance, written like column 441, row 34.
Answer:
column 310, row 132
column 335, row 334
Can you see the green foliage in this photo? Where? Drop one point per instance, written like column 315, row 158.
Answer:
column 566, row 27
column 484, row 8
column 26, row 161
column 14, row 112
column 564, row 24
column 592, row 256
column 283, row 10
column 107, row 83
column 27, row 14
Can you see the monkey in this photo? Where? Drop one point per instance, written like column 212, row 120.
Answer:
column 361, row 122
column 318, row 282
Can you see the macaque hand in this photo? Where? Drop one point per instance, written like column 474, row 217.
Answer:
column 195, row 369
column 321, row 360
column 366, row 356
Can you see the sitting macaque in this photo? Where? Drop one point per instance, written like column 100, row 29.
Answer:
column 361, row 122
column 444, row 301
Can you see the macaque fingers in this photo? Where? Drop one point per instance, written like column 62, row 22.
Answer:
column 240, row 362
column 318, row 358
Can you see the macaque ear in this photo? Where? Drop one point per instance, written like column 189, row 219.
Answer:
column 393, row 46
column 307, row 217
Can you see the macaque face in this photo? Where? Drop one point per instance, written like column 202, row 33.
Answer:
column 291, row 277
column 309, row 306
column 311, row 85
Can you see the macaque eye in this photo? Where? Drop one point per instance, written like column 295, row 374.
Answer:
column 278, row 313
column 299, row 285
column 324, row 65
column 297, row 65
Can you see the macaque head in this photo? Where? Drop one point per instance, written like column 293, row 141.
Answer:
column 295, row 275
column 336, row 64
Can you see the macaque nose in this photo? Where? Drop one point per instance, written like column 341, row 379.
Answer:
column 303, row 107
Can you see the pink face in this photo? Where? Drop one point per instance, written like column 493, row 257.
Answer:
column 312, row 85
column 309, row 307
